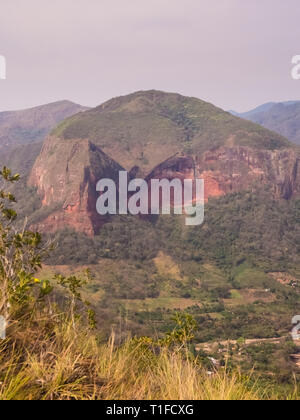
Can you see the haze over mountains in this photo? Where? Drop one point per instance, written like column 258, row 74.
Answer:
column 281, row 117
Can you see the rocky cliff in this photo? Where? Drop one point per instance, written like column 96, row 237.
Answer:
column 232, row 169
column 66, row 175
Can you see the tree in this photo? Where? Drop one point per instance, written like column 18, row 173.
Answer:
column 21, row 253
column 74, row 285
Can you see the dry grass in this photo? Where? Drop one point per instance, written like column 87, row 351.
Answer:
column 72, row 366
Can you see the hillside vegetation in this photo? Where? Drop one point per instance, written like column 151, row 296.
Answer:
column 237, row 275
column 52, row 351
column 61, row 364
column 131, row 128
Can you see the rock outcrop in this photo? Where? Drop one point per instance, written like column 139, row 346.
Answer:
column 232, row 169
column 66, row 174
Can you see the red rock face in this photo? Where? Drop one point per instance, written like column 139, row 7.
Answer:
column 237, row 169
column 227, row 170
column 66, row 174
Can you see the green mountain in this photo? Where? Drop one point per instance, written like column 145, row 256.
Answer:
column 157, row 134
column 146, row 128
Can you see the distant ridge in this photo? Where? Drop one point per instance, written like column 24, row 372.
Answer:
column 32, row 125
column 281, row 117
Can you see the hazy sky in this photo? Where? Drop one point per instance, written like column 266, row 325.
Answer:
column 234, row 53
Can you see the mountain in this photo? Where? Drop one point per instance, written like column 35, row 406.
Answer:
column 32, row 125
column 146, row 128
column 157, row 134
column 260, row 108
column 282, row 117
